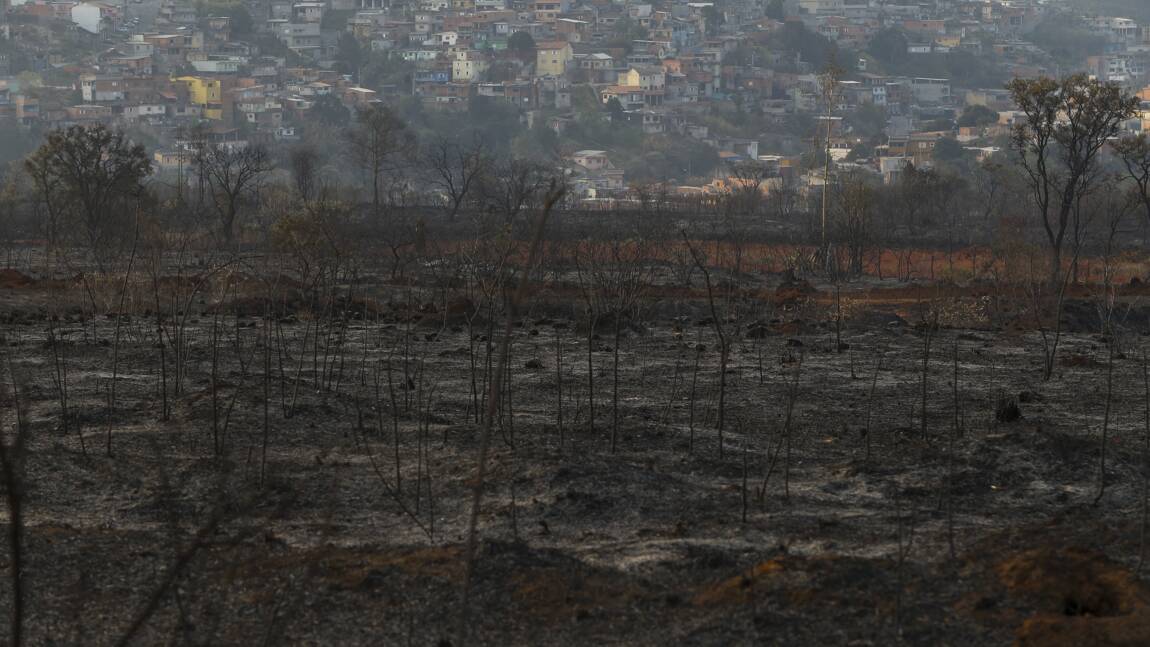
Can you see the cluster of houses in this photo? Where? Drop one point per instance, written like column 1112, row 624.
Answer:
column 658, row 65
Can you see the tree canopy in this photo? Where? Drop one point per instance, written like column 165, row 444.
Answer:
column 948, row 149
column 977, row 116
column 521, row 42
column 89, row 173
column 330, row 111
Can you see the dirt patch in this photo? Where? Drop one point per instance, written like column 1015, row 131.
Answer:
column 1079, row 597
column 559, row 594
column 739, row 588
column 359, row 568
column 1078, row 360
column 13, row 279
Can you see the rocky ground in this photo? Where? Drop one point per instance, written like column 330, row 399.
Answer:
column 328, row 503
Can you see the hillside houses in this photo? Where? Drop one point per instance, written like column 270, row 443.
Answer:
column 680, row 73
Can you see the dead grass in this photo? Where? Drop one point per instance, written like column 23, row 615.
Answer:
column 738, row 589
column 1080, row 598
column 349, row 568
column 553, row 595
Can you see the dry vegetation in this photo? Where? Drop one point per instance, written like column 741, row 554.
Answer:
column 242, row 411
column 224, row 451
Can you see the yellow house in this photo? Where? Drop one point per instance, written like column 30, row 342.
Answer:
column 552, row 57
column 648, row 78
column 207, row 93
column 949, row 41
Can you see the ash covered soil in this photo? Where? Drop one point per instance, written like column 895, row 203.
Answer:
column 328, row 503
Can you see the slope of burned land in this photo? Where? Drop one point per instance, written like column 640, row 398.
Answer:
column 311, row 479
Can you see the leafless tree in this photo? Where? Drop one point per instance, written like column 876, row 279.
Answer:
column 745, row 196
column 613, row 276
column 554, row 194
column 855, row 205
column 380, row 144
column 720, row 332
column 13, row 455
column 513, row 185
column 1135, row 155
column 305, row 163
column 455, row 170
column 784, row 199
column 233, row 175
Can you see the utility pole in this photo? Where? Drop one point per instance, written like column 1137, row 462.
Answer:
column 829, row 80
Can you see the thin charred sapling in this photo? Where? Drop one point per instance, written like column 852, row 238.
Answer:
column 12, row 465
column 156, row 267
column 60, row 380
column 616, row 275
column 1105, row 421
column 904, row 543
column 870, row 404
column 592, row 300
column 724, row 348
column 694, row 392
column 267, row 382
column 1145, row 464
column 929, row 329
column 116, row 338
column 554, row 195
column 559, row 385
column 956, row 431
column 784, row 442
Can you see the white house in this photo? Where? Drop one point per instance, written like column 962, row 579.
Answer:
column 88, row 16
column 591, row 160
column 144, row 111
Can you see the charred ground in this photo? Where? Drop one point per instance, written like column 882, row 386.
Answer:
column 299, row 468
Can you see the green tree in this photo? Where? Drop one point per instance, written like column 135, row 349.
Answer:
column 329, row 111
column 521, row 42
column 241, row 22
column 240, row 18
column 1135, row 155
column 811, row 47
column 775, row 10
column 585, row 99
column 627, row 31
column 888, row 46
column 540, row 143
column 615, row 109
column 88, row 174
column 974, row 116
column 349, row 58
column 868, row 121
column 948, row 149
column 15, row 140
column 379, row 68
column 715, row 19
column 860, row 151
column 1064, row 37
column 1057, row 143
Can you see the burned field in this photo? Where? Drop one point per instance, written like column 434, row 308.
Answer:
column 269, row 462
